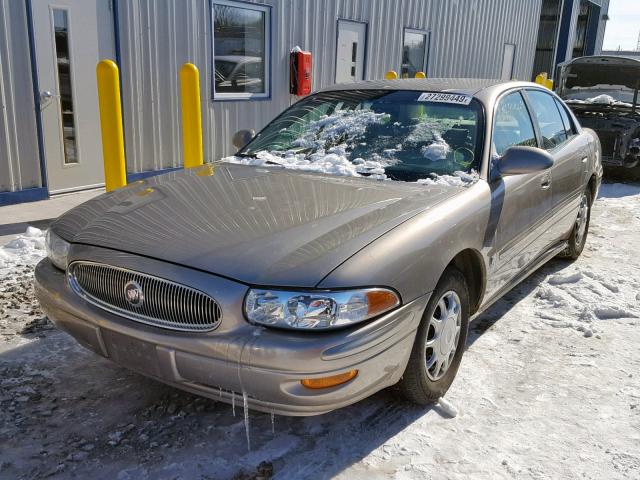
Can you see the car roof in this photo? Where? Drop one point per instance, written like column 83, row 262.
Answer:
column 464, row 86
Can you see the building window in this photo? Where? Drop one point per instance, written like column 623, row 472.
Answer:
column 415, row 49
column 241, row 34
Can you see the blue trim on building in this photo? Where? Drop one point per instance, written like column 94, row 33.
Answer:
column 36, row 96
column 563, row 37
column 592, row 29
column 27, row 195
column 134, row 177
column 116, row 34
column 118, row 51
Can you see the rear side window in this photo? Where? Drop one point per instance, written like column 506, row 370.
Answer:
column 568, row 124
column 512, row 125
column 546, row 113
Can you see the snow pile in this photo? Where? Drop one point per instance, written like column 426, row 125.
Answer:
column 334, row 162
column 26, row 248
column 19, row 310
column 458, row 179
column 603, row 99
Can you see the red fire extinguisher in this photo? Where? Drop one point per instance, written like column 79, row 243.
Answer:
column 300, row 72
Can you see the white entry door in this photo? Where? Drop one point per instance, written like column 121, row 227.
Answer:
column 71, row 36
column 350, row 51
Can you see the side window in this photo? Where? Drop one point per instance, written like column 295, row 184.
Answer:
column 548, row 117
column 512, row 125
column 568, row 124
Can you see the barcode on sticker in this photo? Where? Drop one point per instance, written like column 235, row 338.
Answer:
column 445, row 98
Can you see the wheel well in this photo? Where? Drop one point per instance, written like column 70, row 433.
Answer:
column 592, row 186
column 470, row 263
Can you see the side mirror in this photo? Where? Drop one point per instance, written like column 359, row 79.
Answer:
column 242, row 137
column 521, row 160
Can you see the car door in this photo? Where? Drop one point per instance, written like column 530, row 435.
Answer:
column 519, row 202
column 568, row 151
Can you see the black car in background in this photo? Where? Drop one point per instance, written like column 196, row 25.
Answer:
column 602, row 91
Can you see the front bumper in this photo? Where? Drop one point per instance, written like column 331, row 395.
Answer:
column 264, row 364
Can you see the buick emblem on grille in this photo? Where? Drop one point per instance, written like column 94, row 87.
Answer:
column 134, row 294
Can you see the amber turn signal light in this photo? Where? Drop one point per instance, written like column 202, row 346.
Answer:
column 381, row 301
column 328, row 382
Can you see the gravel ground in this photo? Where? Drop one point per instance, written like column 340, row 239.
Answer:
column 549, row 388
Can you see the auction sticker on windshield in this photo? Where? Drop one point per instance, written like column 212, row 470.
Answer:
column 445, row 98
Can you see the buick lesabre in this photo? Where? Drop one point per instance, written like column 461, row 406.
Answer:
column 342, row 250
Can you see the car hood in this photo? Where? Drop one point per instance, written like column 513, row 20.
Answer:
column 262, row 226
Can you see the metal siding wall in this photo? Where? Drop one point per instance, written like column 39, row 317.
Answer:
column 467, row 40
column 19, row 156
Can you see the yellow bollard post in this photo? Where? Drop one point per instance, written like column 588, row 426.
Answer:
column 115, row 170
column 420, row 75
column 391, row 75
column 191, row 115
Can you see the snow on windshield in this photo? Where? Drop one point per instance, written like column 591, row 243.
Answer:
column 603, row 99
column 346, row 127
column 332, row 161
column 341, row 125
column 430, row 130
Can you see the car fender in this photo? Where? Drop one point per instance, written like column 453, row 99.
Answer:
column 411, row 257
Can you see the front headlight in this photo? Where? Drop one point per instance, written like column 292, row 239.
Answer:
column 317, row 310
column 57, row 250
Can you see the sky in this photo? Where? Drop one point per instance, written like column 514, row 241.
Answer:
column 623, row 26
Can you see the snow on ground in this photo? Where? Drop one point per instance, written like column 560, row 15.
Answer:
column 537, row 395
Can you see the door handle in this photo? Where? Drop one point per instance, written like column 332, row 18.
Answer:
column 46, row 96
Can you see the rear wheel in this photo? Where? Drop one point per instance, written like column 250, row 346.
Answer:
column 578, row 237
column 440, row 341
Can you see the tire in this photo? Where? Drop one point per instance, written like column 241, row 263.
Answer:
column 580, row 230
column 423, row 385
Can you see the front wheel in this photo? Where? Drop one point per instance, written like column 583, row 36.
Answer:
column 578, row 237
column 440, row 341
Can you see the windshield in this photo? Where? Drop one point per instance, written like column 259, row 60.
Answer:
column 399, row 135
column 601, row 84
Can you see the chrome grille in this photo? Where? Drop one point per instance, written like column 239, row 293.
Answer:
column 165, row 304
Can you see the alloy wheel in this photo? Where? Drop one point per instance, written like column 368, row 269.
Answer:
column 581, row 221
column 443, row 335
